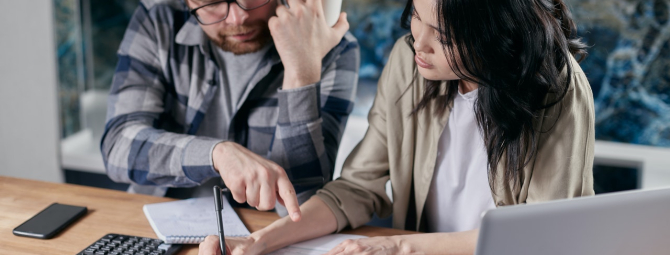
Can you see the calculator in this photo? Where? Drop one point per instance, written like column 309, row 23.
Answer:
column 116, row 244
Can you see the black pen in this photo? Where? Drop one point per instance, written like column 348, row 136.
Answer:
column 218, row 205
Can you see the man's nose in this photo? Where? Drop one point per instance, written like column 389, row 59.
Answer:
column 236, row 15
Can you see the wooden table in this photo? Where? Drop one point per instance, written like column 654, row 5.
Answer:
column 109, row 211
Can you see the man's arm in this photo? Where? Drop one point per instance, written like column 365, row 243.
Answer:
column 136, row 150
column 314, row 102
column 133, row 148
column 309, row 123
column 312, row 118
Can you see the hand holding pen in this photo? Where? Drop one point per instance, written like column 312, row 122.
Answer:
column 219, row 206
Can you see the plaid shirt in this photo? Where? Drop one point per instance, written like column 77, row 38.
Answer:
column 165, row 80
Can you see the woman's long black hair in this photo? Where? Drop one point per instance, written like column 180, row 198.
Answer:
column 515, row 50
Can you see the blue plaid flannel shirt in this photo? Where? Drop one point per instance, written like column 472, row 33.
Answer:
column 165, row 80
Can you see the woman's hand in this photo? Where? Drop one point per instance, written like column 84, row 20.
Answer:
column 303, row 38
column 375, row 245
column 234, row 246
column 427, row 243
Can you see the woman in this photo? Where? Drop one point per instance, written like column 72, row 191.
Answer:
column 483, row 105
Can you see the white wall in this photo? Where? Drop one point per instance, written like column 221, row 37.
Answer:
column 653, row 161
column 29, row 129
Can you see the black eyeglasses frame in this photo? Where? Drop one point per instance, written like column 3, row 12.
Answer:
column 193, row 11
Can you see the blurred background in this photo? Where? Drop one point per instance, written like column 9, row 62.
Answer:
column 57, row 59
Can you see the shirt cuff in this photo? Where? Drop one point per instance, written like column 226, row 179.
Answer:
column 330, row 201
column 299, row 105
column 197, row 161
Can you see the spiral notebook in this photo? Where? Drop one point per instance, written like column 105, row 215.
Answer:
column 191, row 220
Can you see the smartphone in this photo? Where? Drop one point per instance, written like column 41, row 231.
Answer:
column 47, row 223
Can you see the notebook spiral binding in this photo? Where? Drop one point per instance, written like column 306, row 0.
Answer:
column 188, row 239
column 185, row 239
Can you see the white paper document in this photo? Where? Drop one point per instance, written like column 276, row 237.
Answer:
column 316, row 246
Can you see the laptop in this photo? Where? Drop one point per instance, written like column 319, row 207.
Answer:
column 631, row 222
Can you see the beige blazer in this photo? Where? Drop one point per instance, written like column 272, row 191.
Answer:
column 403, row 148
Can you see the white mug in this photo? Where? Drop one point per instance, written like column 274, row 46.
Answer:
column 331, row 11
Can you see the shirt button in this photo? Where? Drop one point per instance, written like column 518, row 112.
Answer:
column 500, row 203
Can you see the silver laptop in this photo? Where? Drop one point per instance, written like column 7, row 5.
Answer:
column 632, row 222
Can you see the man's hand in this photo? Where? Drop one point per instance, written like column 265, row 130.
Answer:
column 303, row 38
column 254, row 179
column 234, row 246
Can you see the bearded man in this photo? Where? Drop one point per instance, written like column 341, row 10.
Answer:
column 241, row 93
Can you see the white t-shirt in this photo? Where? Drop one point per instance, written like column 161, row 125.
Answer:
column 459, row 192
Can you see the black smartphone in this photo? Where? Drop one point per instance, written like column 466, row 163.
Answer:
column 50, row 221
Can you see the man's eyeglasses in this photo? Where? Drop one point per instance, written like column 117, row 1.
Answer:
column 218, row 11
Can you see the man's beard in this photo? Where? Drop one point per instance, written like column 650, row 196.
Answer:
column 238, row 48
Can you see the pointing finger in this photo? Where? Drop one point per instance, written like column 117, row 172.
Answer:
column 287, row 193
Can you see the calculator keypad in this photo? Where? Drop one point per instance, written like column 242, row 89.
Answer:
column 115, row 244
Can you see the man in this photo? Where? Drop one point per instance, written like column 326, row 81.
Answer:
column 228, row 91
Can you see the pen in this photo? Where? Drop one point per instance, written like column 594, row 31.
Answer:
column 218, row 205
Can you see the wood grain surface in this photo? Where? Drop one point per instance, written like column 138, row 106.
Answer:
column 109, row 211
